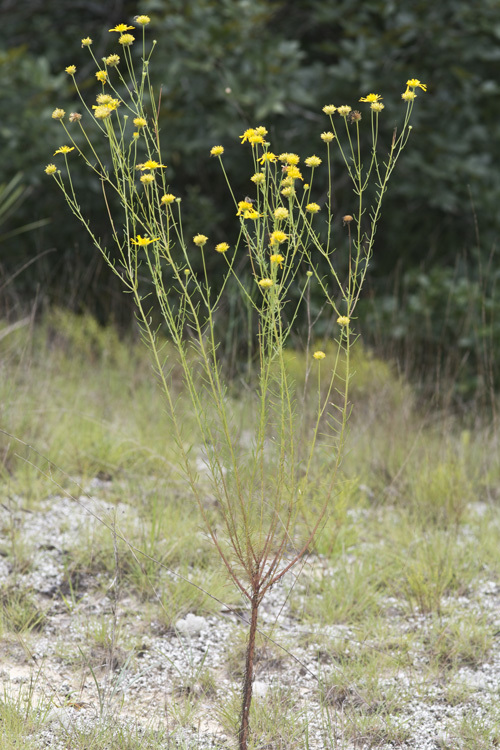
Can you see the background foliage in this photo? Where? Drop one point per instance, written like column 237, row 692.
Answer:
column 224, row 66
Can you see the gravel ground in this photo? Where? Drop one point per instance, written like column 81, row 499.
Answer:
column 141, row 685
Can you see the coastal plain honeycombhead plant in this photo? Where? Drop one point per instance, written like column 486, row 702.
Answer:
column 266, row 484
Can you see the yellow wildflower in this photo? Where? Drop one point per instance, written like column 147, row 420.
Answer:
column 414, row 83
column 86, row 42
column 70, row 70
column 222, row 247
column 292, row 159
column 200, row 239
column 246, row 135
column 126, row 40
column 244, row 206
column 148, row 178
column 266, row 283
column 103, row 99
column 277, row 258
column 329, row 109
column 312, row 161
column 344, row 110
column 261, row 130
column 139, row 122
column 343, row 320
column 102, row 112
column 121, row 27
column 277, row 237
column 268, row 156
column 327, row 137
column 112, row 61
column 255, row 138
column 167, row 199
column 251, row 214
column 151, row 164
column 281, row 213
column 143, row 20
column 371, row 98
column 258, row 178
column 101, row 76
column 58, row 114
column 318, row 354
column 408, row 95
column 50, row 169
column 377, row 106
column 313, row 208
column 294, row 173
column 64, row 150
column 216, row 150
column 143, row 241
column 288, row 192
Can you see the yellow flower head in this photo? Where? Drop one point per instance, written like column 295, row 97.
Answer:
column 277, row 237
column 64, row 150
column 244, row 206
column 377, row 106
column 312, row 161
column 291, row 159
column 288, row 192
column 121, row 27
column 294, row 173
column 281, row 213
column 143, row 241
column 329, row 109
column 344, row 110
column 319, row 354
column 222, row 247
column 371, row 98
column 258, row 178
column 102, row 112
column 414, row 83
column 139, row 122
column 103, row 99
column 112, row 61
column 255, row 138
column 277, row 258
column 408, row 95
column 102, row 76
column 246, row 135
column 58, row 114
column 86, row 42
column 142, row 20
column 151, row 164
column 167, row 199
column 268, row 156
column 216, row 150
column 327, row 137
column 312, row 208
column 251, row 214
column 126, row 40
column 200, row 239
column 266, row 283
column 50, row 169
column 261, row 130
column 343, row 320
column 148, row 178
column 70, row 70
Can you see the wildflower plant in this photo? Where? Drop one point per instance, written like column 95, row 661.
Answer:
column 260, row 491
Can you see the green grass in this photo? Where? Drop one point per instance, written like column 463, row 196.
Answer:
column 413, row 534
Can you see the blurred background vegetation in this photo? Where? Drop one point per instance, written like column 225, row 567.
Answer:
column 431, row 302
